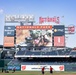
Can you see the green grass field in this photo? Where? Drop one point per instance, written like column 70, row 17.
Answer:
column 37, row 73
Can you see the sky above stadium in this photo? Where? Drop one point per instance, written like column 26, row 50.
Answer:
column 65, row 9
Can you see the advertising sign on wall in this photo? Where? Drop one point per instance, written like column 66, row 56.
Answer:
column 39, row 67
column 17, row 67
column 59, row 30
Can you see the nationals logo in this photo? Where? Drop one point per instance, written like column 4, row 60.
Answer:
column 71, row 28
column 49, row 19
column 23, row 67
column 61, row 68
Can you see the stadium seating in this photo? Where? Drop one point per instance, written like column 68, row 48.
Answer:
column 64, row 51
column 46, row 51
column 73, row 53
column 49, row 53
column 32, row 53
column 14, row 62
column 21, row 62
column 20, row 52
column 43, row 51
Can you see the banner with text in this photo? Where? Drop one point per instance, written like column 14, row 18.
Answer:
column 39, row 67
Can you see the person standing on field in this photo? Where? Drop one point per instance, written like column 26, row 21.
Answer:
column 2, row 70
column 51, row 70
column 14, row 69
column 43, row 70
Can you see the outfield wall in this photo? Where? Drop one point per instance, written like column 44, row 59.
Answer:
column 70, row 67
column 67, row 67
column 10, row 67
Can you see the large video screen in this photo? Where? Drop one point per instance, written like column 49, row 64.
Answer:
column 34, row 35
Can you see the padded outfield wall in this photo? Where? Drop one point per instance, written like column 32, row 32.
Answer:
column 67, row 67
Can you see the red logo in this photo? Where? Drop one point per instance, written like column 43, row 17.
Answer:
column 49, row 19
column 23, row 67
column 61, row 68
column 71, row 29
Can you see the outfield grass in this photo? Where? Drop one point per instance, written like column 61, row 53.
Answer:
column 37, row 73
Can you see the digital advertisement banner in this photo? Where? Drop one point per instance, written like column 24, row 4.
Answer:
column 9, row 30
column 34, row 35
column 59, row 41
column 39, row 67
column 59, row 30
column 8, row 41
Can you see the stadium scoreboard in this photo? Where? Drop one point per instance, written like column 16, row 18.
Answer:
column 54, row 35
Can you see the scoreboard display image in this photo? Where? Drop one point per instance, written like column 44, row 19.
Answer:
column 59, row 30
column 34, row 35
column 59, row 41
column 8, row 41
column 59, row 35
column 37, row 35
column 9, row 34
